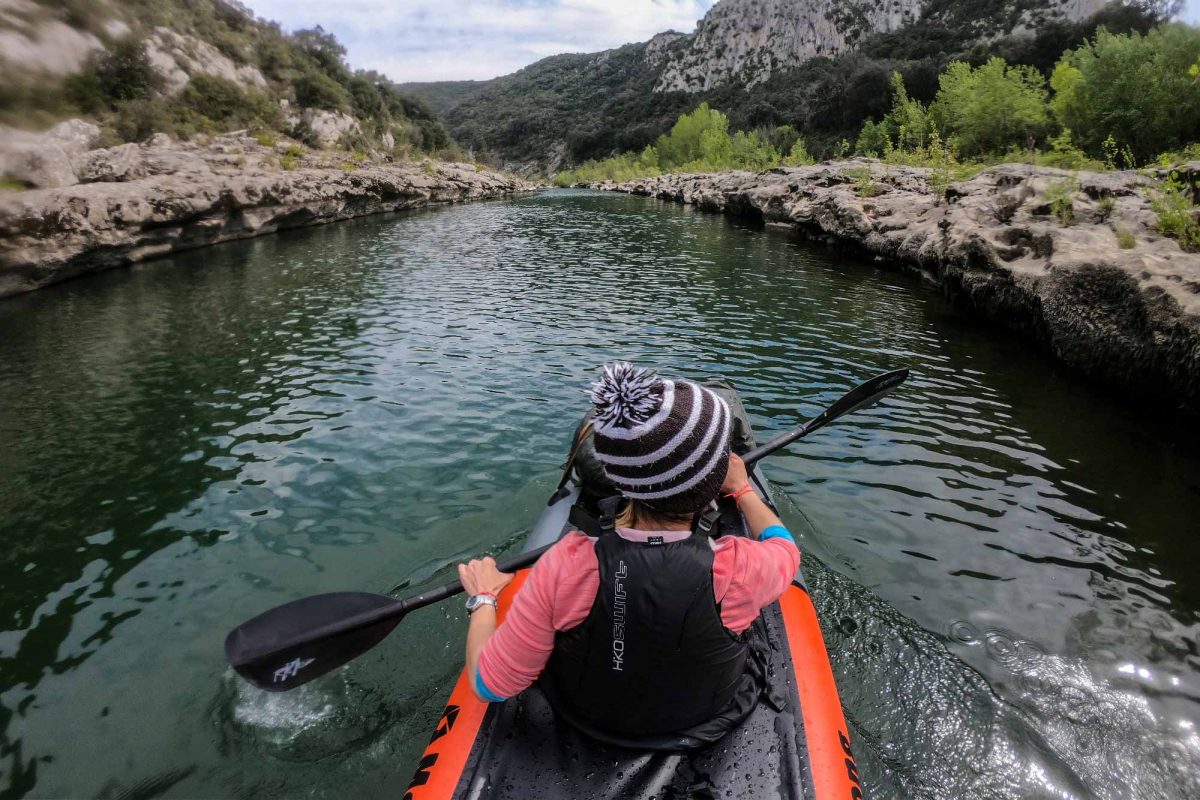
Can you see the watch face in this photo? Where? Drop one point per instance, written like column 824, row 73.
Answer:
column 475, row 601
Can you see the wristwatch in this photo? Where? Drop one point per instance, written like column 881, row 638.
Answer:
column 477, row 600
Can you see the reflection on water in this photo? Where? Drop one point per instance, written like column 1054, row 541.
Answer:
column 1001, row 559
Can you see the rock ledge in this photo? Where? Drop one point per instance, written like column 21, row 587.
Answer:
column 1127, row 317
column 138, row 201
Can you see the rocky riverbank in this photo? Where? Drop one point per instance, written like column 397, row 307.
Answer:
column 119, row 205
column 1070, row 260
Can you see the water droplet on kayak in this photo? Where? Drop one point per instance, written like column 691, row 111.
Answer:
column 964, row 632
column 1001, row 646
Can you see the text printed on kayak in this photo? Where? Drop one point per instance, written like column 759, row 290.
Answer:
column 619, row 617
column 290, row 669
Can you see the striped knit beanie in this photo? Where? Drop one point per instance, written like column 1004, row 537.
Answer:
column 662, row 442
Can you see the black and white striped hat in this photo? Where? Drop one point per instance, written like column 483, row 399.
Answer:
column 663, row 442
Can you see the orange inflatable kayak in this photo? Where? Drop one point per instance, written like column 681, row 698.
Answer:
column 794, row 745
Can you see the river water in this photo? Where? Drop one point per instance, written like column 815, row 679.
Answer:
column 1004, row 562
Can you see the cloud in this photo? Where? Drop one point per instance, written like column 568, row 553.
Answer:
column 426, row 40
column 429, row 40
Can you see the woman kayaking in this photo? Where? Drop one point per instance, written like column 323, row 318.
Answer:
column 644, row 630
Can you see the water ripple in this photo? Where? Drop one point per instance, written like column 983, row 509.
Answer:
column 1009, row 600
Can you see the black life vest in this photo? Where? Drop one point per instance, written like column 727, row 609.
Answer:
column 652, row 665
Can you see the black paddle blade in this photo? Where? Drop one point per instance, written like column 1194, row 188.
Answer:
column 293, row 643
column 860, row 396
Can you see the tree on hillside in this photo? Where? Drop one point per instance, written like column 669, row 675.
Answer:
column 991, row 108
column 1134, row 88
column 325, row 49
column 687, row 143
column 907, row 124
column 124, row 72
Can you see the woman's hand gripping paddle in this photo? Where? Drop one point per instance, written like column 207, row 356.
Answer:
column 296, row 642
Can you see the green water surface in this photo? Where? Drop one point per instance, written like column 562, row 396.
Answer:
column 1003, row 560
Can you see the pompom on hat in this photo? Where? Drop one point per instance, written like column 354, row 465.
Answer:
column 662, row 442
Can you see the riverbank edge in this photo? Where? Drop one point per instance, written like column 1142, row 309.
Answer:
column 1125, row 318
column 162, row 197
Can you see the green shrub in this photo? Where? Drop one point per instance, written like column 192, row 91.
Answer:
column 1116, row 156
column 1065, row 155
column 783, row 138
column 700, row 137
column 1177, row 212
column 1059, row 198
column 84, row 91
column 1125, row 240
column 751, row 151
column 209, row 103
column 315, row 89
column 1173, row 158
column 907, row 124
column 873, row 139
column 990, row 108
column 864, row 181
column 266, row 139
column 111, row 77
column 293, row 151
column 1135, row 89
column 124, row 72
column 798, row 156
column 137, row 120
column 288, row 161
column 1105, row 207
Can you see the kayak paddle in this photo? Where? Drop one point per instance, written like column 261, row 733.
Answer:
column 292, row 644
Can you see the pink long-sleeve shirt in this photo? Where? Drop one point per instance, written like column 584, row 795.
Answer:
column 558, row 595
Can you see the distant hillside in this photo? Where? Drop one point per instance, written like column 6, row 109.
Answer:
column 196, row 66
column 443, row 95
column 820, row 66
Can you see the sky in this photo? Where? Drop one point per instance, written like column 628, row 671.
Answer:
column 437, row 40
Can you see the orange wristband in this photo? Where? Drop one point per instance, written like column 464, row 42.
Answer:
column 740, row 493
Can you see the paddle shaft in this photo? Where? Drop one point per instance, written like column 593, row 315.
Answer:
column 389, row 612
column 853, row 399
column 401, row 607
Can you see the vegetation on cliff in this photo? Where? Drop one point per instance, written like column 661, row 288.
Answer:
column 272, row 81
column 573, row 108
column 1117, row 100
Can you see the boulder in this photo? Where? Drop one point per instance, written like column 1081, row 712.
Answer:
column 121, row 163
column 44, row 159
column 328, row 127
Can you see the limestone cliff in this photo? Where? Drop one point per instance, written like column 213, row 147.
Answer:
column 747, row 40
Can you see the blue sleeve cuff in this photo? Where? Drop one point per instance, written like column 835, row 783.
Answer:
column 775, row 532
column 483, row 691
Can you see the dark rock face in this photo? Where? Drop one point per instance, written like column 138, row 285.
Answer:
column 1004, row 250
column 140, row 201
